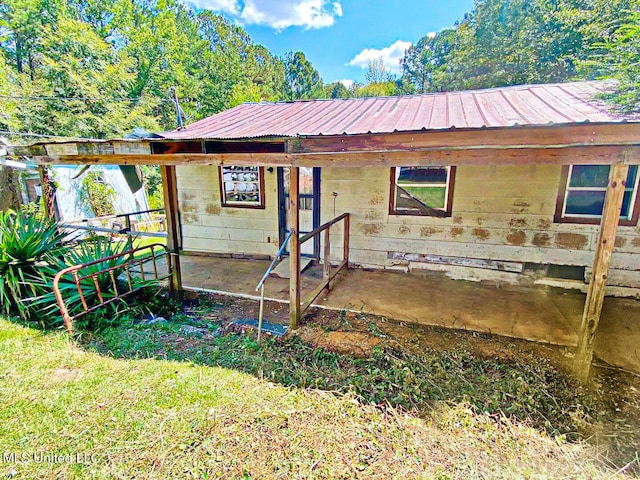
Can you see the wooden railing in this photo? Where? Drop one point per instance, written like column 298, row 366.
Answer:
column 328, row 274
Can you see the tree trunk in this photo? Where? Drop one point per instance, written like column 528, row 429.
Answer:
column 9, row 189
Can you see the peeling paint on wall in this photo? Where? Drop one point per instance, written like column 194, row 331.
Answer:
column 541, row 239
column 517, row 237
column 371, row 229
column 212, row 209
column 373, row 215
column 428, row 231
column 481, row 233
column 404, row 229
column 457, row 219
column 518, row 223
column 571, row 241
column 544, row 224
column 620, row 242
column 457, row 231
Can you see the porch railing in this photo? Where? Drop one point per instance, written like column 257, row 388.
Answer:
column 118, row 227
column 122, row 279
column 327, row 274
column 262, row 281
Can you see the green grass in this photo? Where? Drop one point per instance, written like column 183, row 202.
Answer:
column 433, row 197
column 201, row 416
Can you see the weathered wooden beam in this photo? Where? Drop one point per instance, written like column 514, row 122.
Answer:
column 249, row 159
column 170, row 189
column 592, row 134
column 294, row 248
column 523, row 155
column 601, row 262
column 595, row 155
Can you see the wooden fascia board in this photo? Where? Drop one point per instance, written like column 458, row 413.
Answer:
column 571, row 155
column 574, row 135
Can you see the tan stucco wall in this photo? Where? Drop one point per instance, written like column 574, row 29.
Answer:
column 209, row 227
column 499, row 213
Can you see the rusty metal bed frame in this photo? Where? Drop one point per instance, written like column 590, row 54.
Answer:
column 137, row 257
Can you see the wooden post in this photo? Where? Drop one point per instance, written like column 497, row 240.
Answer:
column 170, row 189
column 294, row 250
column 47, row 192
column 326, row 267
column 601, row 262
column 345, row 254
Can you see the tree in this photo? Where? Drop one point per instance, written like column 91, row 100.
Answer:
column 337, row 90
column 377, row 72
column 302, row 80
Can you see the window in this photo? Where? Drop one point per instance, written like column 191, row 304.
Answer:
column 242, row 187
column 421, row 191
column 582, row 192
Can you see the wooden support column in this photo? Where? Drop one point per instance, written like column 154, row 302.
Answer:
column 47, row 192
column 294, row 248
column 170, row 189
column 601, row 262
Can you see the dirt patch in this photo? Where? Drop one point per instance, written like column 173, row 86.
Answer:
column 636, row 242
column 457, row 219
column 191, row 218
column 64, row 375
column 358, row 344
column 373, row 215
column 376, row 200
column 571, row 241
column 620, row 242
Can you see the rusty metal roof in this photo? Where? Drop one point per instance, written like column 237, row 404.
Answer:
column 525, row 105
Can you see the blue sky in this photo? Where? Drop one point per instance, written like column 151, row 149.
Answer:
column 340, row 37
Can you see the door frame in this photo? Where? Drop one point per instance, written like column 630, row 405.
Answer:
column 282, row 209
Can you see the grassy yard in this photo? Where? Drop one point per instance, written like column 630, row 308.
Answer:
column 153, row 402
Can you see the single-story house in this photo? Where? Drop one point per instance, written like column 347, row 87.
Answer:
column 516, row 184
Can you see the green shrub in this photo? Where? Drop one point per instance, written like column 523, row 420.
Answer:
column 27, row 243
column 84, row 252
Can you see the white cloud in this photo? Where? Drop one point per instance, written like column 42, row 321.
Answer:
column 278, row 14
column 390, row 56
column 346, row 82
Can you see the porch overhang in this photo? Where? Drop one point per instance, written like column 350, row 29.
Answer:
column 605, row 143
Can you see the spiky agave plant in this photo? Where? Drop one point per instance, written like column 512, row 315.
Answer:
column 27, row 244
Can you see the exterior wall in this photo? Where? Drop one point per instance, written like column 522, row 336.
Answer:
column 499, row 213
column 209, row 227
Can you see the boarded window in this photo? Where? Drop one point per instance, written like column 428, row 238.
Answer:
column 583, row 190
column 242, row 187
column 422, row 191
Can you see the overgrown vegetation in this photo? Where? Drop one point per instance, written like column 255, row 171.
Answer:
column 98, row 194
column 33, row 249
column 428, row 415
column 27, row 243
column 531, row 391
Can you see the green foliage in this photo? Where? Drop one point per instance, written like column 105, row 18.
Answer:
column 84, row 252
column 303, row 81
column 27, row 243
column 98, row 194
column 511, row 42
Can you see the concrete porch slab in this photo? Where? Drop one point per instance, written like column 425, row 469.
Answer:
column 537, row 313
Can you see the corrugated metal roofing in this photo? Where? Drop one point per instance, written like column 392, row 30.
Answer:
column 525, row 105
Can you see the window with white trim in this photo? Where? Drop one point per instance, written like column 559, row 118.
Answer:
column 584, row 190
column 422, row 191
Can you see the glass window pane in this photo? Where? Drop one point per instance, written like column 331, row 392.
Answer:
column 631, row 177
column 589, row 176
column 241, row 185
column 626, row 204
column 417, row 198
column 422, row 175
column 584, row 203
